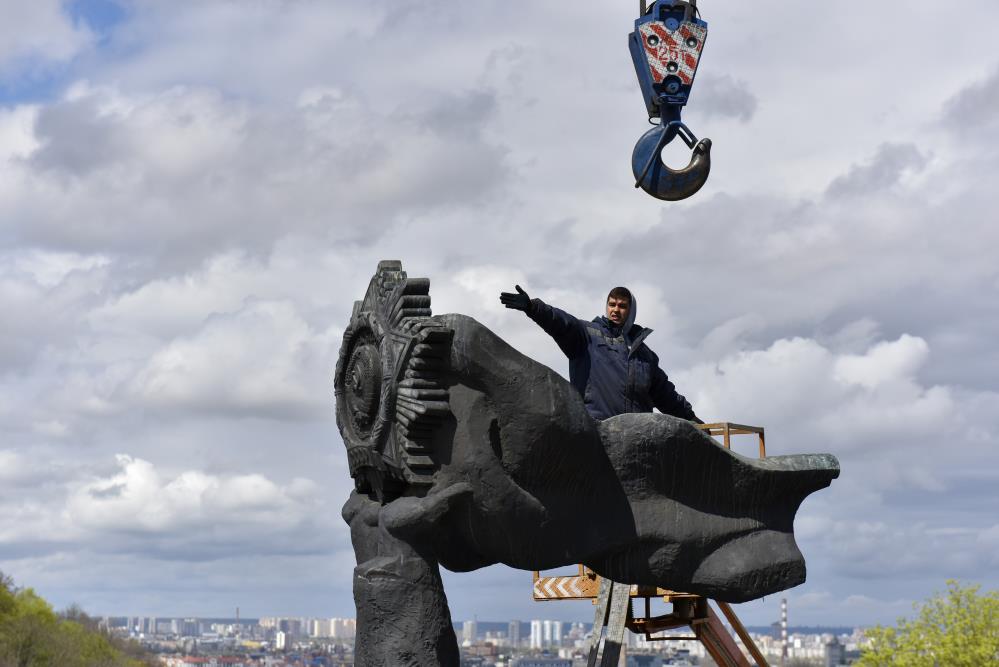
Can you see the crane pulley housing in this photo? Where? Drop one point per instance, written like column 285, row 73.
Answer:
column 666, row 48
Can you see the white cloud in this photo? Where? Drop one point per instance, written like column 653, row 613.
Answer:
column 168, row 136
column 48, row 269
column 188, row 171
column 185, row 226
column 262, row 360
column 732, row 389
column 889, row 166
column 44, row 293
column 17, row 138
column 180, row 304
column 967, row 111
column 806, row 392
column 724, row 97
column 140, row 498
column 134, row 506
column 34, row 34
column 18, row 469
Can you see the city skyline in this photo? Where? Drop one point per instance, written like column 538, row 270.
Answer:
column 193, row 195
column 270, row 638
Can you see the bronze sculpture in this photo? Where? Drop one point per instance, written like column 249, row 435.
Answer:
column 466, row 453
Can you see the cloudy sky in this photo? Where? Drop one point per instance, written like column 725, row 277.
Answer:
column 192, row 194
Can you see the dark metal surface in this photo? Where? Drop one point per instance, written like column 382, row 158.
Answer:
column 389, row 397
column 477, row 454
column 660, row 180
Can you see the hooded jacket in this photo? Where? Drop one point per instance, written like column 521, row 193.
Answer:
column 611, row 366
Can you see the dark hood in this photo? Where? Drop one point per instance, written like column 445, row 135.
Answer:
column 633, row 334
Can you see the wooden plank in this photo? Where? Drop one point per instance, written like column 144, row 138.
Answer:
column 745, row 428
column 718, row 427
column 740, row 630
column 587, row 587
column 727, row 429
column 565, row 588
column 620, row 599
column 719, row 644
column 599, row 620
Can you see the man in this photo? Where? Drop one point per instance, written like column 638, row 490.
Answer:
column 609, row 363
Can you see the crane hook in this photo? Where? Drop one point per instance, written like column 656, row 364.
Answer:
column 658, row 179
column 666, row 48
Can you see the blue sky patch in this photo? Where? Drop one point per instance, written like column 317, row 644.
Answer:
column 33, row 79
column 101, row 16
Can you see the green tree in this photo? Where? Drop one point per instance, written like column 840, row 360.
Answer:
column 32, row 635
column 957, row 628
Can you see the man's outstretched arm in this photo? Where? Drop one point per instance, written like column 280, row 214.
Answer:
column 669, row 401
column 568, row 331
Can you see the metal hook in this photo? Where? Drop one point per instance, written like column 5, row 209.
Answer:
column 659, row 180
column 665, row 49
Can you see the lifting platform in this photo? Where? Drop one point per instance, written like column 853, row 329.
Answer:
column 615, row 610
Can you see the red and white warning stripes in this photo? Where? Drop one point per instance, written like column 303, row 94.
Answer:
column 673, row 52
column 561, row 588
column 587, row 587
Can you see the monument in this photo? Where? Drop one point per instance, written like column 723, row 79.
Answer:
column 466, row 453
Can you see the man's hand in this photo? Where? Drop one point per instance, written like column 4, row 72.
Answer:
column 690, row 408
column 518, row 301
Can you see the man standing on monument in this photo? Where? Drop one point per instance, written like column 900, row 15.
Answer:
column 609, row 363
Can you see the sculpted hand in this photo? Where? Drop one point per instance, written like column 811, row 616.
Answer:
column 518, row 301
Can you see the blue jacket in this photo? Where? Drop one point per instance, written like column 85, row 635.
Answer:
column 614, row 371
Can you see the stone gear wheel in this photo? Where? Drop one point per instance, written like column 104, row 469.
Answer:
column 390, row 384
column 363, row 392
